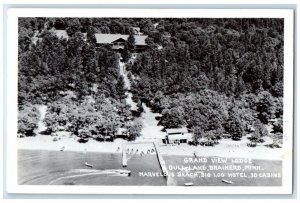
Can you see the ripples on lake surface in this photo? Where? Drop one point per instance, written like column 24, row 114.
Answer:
column 39, row 167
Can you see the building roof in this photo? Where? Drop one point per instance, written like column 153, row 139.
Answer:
column 84, row 36
column 109, row 38
column 177, row 130
column 61, row 33
column 121, row 131
column 136, row 30
column 187, row 136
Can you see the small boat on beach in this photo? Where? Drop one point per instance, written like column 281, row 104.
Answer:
column 188, row 184
column 62, row 149
column 227, row 181
column 88, row 165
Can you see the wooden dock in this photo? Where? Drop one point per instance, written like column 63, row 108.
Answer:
column 124, row 157
column 161, row 161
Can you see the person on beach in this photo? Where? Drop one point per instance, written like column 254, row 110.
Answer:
column 195, row 153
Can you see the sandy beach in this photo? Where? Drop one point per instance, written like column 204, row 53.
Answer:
column 226, row 148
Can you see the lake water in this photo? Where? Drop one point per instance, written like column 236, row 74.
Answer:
column 36, row 167
column 41, row 167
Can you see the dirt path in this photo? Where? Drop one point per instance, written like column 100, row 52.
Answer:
column 124, row 73
column 151, row 131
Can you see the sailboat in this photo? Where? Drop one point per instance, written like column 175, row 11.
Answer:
column 85, row 162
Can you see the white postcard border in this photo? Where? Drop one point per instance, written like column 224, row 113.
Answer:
column 12, row 91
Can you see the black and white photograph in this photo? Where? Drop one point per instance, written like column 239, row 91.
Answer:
column 174, row 102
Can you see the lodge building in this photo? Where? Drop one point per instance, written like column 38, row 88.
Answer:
column 177, row 136
column 117, row 41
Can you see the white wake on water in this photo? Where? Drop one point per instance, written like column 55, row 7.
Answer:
column 86, row 172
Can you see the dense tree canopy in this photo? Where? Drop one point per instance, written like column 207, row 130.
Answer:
column 218, row 75
column 214, row 76
column 28, row 120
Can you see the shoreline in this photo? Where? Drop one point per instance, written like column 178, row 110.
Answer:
column 226, row 148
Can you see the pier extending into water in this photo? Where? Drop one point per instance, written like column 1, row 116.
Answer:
column 161, row 161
